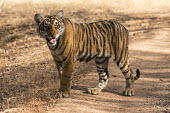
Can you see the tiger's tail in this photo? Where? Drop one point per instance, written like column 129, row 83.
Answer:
column 137, row 74
column 127, row 71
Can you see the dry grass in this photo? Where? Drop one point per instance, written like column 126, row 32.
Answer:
column 27, row 72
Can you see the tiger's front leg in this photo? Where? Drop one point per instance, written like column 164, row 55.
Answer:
column 65, row 80
column 59, row 68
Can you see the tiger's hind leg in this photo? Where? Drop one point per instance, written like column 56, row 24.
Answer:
column 102, row 69
column 130, row 78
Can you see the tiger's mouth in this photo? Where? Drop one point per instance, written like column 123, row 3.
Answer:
column 51, row 40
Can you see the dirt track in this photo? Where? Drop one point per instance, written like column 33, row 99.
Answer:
column 28, row 76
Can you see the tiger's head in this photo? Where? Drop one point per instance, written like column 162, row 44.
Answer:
column 50, row 27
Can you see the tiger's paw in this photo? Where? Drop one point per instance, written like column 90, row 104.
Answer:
column 128, row 92
column 61, row 94
column 93, row 91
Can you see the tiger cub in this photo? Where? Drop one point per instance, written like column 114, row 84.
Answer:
column 101, row 41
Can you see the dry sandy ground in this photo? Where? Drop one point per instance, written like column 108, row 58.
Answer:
column 28, row 76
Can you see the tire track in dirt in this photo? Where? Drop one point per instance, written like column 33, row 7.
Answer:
column 158, row 42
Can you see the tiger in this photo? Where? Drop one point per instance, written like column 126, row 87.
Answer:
column 70, row 42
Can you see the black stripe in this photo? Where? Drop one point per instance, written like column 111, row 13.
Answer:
column 57, row 43
column 120, row 57
column 112, row 23
column 117, row 40
column 109, row 40
column 90, row 41
column 79, row 31
column 83, row 31
column 64, row 59
column 123, row 66
column 61, row 44
column 83, row 57
column 103, row 33
column 97, row 36
column 126, row 71
column 115, row 52
column 82, row 51
column 92, row 33
column 89, row 29
column 63, row 49
column 90, row 58
column 58, row 61
column 114, row 38
column 86, row 46
column 68, row 55
column 65, row 76
column 102, row 70
column 104, row 24
column 99, row 27
column 111, row 37
column 126, row 46
column 84, row 41
column 101, row 42
column 98, row 62
column 103, row 79
column 104, row 43
column 97, row 43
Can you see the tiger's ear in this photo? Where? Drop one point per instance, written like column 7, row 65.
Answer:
column 60, row 14
column 38, row 18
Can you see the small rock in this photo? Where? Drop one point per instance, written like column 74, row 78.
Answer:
column 161, row 79
column 114, row 75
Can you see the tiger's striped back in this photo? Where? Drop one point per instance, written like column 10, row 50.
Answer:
column 100, row 39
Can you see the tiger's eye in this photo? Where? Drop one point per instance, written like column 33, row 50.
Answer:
column 55, row 22
column 46, row 23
